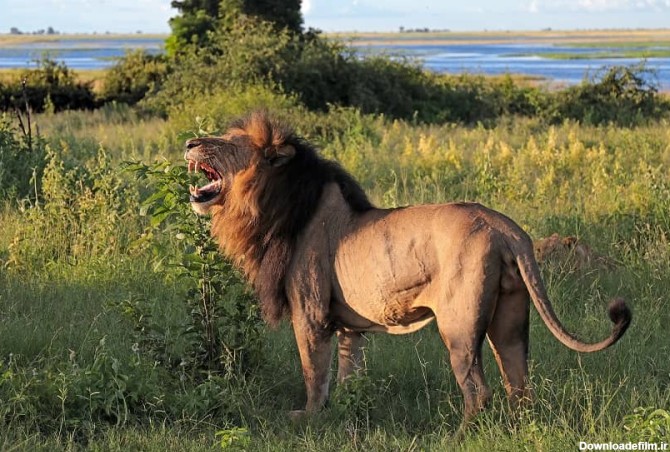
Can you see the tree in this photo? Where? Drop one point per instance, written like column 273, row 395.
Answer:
column 198, row 18
column 284, row 13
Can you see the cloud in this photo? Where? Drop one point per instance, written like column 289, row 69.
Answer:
column 535, row 6
column 87, row 15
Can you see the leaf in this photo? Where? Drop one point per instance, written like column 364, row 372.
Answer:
column 194, row 258
column 158, row 218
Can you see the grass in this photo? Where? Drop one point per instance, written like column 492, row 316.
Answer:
column 66, row 334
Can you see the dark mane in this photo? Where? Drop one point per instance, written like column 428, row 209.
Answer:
column 284, row 199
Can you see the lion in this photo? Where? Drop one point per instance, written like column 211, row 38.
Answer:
column 572, row 252
column 316, row 250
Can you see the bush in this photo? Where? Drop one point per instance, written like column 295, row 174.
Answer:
column 80, row 215
column 224, row 329
column 323, row 73
column 133, row 77
column 22, row 159
column 623, row 95
column 648, row 424
column 51, row 87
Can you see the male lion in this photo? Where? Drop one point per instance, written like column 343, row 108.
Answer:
column 315, row 248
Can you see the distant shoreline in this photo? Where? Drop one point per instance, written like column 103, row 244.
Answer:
column 9, row 40
column 508, row 52
column 647, row 36
column 577, row 37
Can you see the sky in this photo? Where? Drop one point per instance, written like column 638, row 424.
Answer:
column 151, row 16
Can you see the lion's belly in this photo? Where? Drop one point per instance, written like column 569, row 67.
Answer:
column 386, row 278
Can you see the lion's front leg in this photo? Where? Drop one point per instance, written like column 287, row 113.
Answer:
column 315, row 356
column 309, row 293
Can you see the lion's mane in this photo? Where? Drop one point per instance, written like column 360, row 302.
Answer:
column 268, row 207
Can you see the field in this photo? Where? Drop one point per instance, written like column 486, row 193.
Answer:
column 121, row 328
column 63, row 332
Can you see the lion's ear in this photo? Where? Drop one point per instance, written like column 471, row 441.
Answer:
column 281, row 155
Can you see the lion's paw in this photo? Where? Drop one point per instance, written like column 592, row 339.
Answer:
column 297, row 415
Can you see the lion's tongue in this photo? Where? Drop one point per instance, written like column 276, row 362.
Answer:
column 212, row 187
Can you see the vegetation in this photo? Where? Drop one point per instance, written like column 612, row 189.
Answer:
column 121, row 327
column 133, row 77
column 107, row 285
column 51, row 87
column 198, row 19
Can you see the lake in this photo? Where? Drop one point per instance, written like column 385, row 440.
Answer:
column 90, row 52
column 536, row 60
column 564, row 61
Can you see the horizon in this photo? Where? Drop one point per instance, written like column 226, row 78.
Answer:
column 406, row 30
column 362, row 16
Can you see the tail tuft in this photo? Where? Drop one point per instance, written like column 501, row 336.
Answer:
column 619, row 314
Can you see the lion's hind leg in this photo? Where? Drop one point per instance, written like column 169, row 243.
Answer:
column 508, row 337
column 463, row 333
column 349, row 353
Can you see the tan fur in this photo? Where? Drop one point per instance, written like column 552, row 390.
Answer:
column 571, row 252
column 315, row 249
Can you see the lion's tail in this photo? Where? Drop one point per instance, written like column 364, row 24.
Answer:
column 619, row 313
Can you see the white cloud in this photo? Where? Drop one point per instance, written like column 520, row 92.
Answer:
column 306, row 6
column 601, row 5
column 597, row 5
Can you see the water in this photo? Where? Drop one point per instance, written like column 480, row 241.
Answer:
column 526, row 58
column 471, row 57
column 84, row 53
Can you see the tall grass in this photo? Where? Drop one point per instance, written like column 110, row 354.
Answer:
column 87, row 302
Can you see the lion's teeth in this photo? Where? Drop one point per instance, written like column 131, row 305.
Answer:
column 197, row 166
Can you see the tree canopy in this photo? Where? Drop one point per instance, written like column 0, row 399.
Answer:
column 198, row 18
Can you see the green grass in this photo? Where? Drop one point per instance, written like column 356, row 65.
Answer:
column 65, row 331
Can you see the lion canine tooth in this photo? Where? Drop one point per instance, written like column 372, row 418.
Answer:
column 197, row 166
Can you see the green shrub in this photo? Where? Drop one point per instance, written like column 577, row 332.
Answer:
column 22, row 159
column 224, row 329
column 322, row 73
column 81, row 214
column 52, row 86
column 133, row 77
column 648, row 424
column 215, row 110
column 74, row 394
column 623, row 95
column 239, row 57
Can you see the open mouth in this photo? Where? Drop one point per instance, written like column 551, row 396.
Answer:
column 209, row 191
